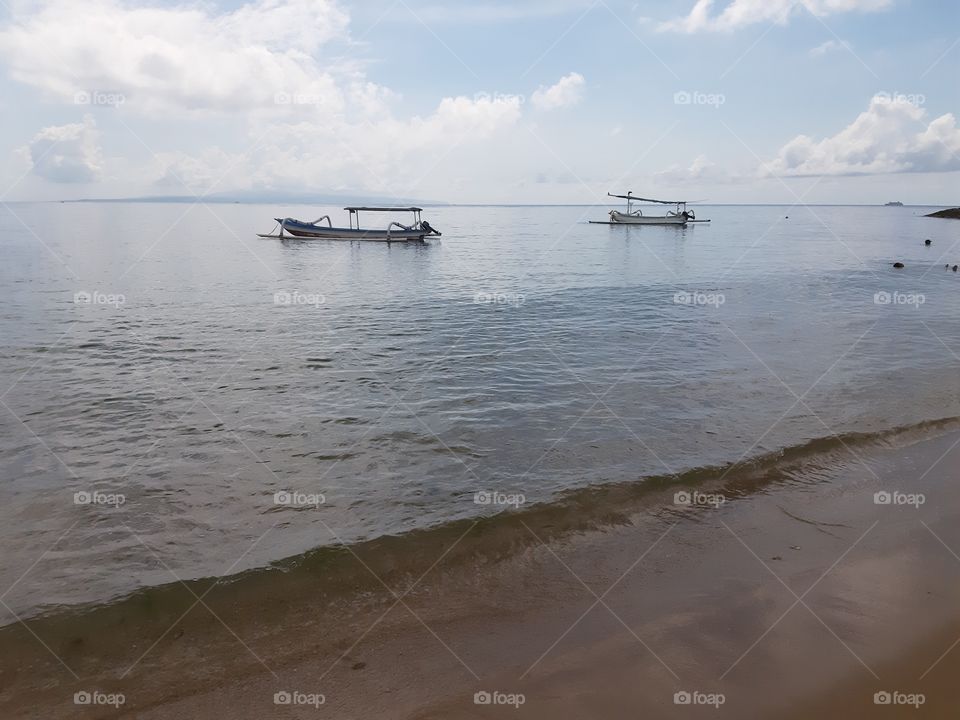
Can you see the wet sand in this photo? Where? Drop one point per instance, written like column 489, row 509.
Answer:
column 799, row 596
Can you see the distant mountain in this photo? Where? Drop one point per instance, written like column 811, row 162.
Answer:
column 275, row 197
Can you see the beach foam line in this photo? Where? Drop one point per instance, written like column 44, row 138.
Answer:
column 334, row 572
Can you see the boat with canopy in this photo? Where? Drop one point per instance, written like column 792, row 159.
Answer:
column 634, row 215
column 394, row 232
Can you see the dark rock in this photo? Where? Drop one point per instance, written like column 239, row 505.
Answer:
column 953, row 213
column 898, row 264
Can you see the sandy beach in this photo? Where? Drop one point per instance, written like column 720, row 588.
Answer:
column 784, row 590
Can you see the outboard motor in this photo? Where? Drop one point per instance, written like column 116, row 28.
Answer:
column 426, row 226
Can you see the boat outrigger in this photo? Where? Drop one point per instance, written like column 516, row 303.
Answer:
column 678, row 216
column 394, row 232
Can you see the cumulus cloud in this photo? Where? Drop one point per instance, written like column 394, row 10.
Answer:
column 66, row 153
column 177, row 57
column 272, row 67
column 379, row 154
column 892, row 136
column 566, row 92
column 741, row 13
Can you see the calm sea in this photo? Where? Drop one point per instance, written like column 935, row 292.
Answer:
column 181, row 399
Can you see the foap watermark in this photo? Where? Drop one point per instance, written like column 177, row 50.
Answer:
column 295, row 297
column 294, row 498
column 485, row 697
column 95, row 497
column 499, row 298
column 895, row 697
column 102, row 98
column 696, row 97
column 495, row 497
column 898, row 98
column 709, row 299
column 695, row 697
column 899, row 298
column 498, row 97
column 295, row 697
column 888, row 497
column 86, row 297
column 95, row 697
column 285, row 98
column 695, row 498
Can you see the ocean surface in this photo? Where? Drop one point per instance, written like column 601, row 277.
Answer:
column 182, row 399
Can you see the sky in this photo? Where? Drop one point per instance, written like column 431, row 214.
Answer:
column 529, row 101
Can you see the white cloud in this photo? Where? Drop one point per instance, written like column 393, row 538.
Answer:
column 310, row 121
column 741, row 13
column 383, row 154
column 827, row 47
column 458, row 12
column 185, row 57
column 566, row 92
column 701, row 170
column 66, row 153
column 892, row 136
column 181, row 172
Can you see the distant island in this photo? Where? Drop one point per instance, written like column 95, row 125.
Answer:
column 895, row 203
column 272, row 197
column 952, row 213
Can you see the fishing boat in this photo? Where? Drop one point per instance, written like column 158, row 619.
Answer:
column 394, row 232
column 634, row 216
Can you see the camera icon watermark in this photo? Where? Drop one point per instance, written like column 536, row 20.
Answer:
column 695, row 498
column 295, row 297
column 495, row 497
column 96, row 697
column 696, row 97
column 95, row 497
column 498, row 97
column 499, row 298
column 696, row 297
column 899, row 298
column 99, row 98
column 295, row 697
column 495, row 697
column 286, row 98
column 895, row 697
column 885, row 97
column 86, row 297
column 294, row 498
column 887, row 497
column 695, row 697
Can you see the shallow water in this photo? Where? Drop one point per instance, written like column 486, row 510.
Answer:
column 526, row 352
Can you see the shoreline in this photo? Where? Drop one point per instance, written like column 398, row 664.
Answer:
column 690, row 589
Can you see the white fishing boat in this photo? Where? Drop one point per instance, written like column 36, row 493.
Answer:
column 394, row 232
column 634, row 216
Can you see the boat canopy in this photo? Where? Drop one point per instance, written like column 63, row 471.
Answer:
column 384, row 209
column 630, row 196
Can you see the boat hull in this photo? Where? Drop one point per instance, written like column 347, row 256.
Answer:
column 298, row 229
column 618, row 218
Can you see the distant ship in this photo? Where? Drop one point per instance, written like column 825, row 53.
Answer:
column 895, row 203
